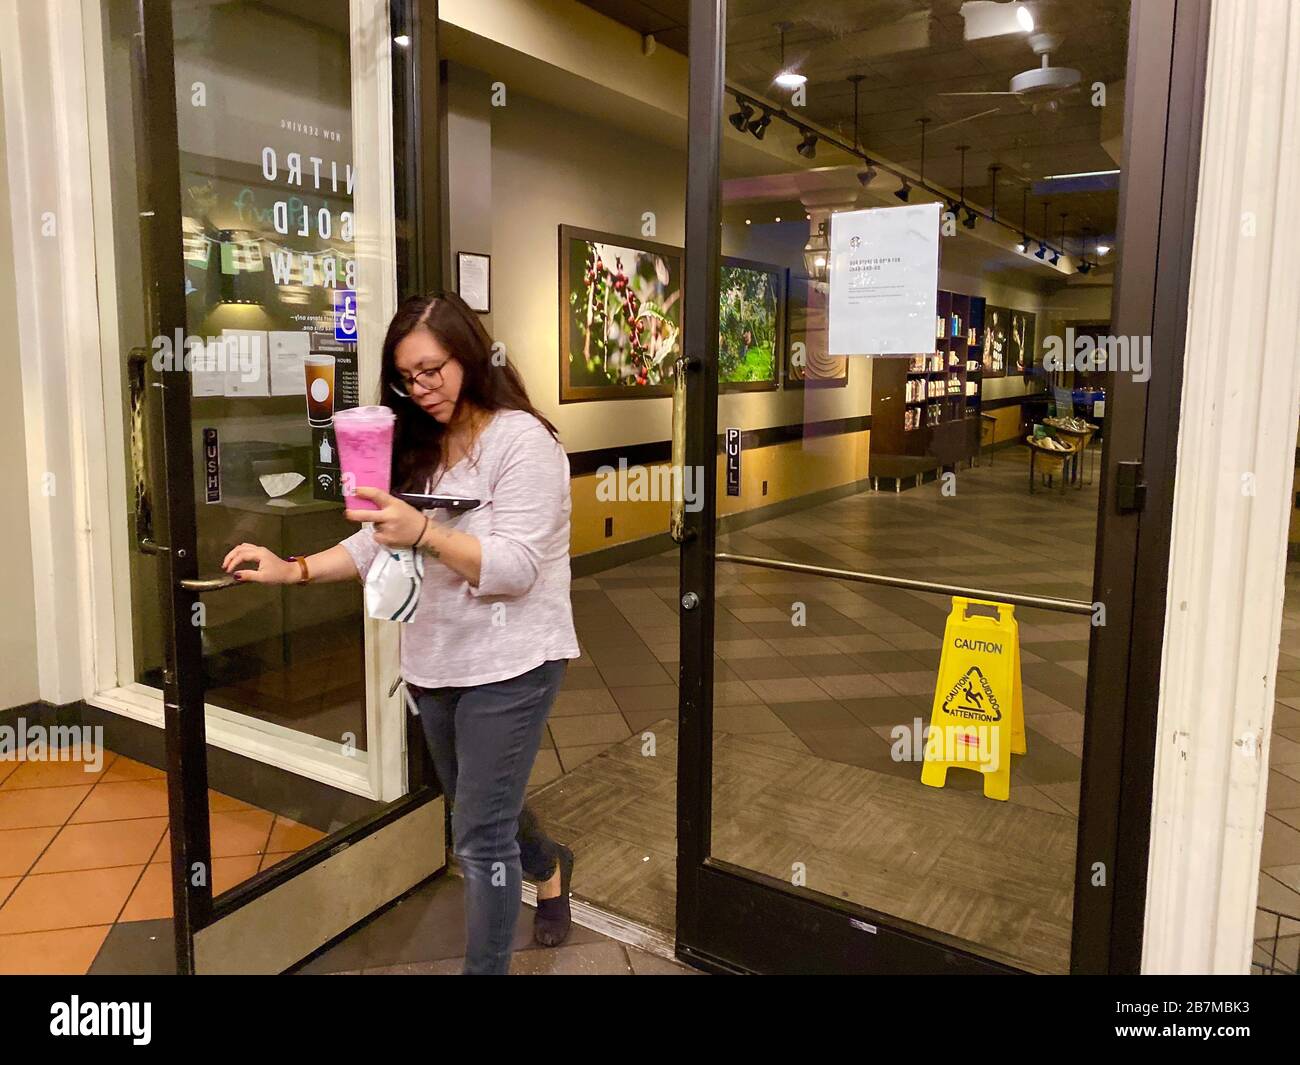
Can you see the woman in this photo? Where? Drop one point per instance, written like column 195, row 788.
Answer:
column 486, row 650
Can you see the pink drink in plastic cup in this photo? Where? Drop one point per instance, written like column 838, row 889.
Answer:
column 365, row 439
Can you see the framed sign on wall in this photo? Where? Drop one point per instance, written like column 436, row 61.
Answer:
column 808, row 362
column 474, row 280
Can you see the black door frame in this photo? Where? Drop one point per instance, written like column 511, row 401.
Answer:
column 722, row 907
column 420, row 191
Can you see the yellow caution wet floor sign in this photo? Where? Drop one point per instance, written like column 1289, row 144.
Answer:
column 978, row 718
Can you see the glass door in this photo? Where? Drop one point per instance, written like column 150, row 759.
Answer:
column 252, row 173
column 924, row 275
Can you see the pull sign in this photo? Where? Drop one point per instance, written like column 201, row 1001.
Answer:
column 733, row 462
column 212, row 465
column 1130, row 487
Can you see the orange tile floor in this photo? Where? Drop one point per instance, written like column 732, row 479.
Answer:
column 83, row 850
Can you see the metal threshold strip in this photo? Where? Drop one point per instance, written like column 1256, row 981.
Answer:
column 1038, row 602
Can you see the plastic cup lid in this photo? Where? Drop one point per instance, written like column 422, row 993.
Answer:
column 365, row 414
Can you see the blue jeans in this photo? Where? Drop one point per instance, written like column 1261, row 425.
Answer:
column 484, row 740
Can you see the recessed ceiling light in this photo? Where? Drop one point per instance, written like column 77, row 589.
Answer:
column 777, row 218
column 1025, row 17
column 1103, row 249
column 402, row 40
column 746, row 221
column 787, row 77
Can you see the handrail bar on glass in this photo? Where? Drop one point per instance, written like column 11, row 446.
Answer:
column 1038, row 602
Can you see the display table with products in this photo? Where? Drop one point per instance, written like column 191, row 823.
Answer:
column 1048, row 459
column 1078, row 433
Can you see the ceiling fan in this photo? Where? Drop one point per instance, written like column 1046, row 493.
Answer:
column 1040, row 88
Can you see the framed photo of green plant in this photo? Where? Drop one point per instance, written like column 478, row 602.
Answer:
column 751, row 325
column 620, row 316
column 807, row 360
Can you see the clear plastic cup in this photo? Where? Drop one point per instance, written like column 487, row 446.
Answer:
column 365, row 439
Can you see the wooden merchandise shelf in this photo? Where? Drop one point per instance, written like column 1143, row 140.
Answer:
column 925, row 409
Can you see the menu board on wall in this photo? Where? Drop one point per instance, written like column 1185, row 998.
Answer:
column 884, row 280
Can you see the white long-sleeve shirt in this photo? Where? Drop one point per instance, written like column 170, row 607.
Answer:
column 520, row 615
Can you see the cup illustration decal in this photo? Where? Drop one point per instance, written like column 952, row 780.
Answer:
column 320, row 389
column 365, row 443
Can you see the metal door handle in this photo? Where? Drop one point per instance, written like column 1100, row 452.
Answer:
column 138, row 446
column 677, row 508
column 209, row 584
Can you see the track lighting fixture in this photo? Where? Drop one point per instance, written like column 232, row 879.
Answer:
column 808, row 146
column 905, row 192
column 758, row 126
column 971, row 217
column 1041, row 252
column 866, row 177
column 741, row 118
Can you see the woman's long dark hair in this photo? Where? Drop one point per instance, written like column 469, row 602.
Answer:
column 419, row 440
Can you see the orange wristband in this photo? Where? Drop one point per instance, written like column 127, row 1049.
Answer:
column 302, row 565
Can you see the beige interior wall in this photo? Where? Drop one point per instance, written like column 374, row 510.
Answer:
column 540, row 166
column 18, row 683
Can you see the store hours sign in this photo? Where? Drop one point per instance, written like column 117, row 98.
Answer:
column 884, row 280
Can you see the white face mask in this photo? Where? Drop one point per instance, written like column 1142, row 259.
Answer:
column 393, row 584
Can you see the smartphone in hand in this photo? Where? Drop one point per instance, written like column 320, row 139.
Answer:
column 427, row 502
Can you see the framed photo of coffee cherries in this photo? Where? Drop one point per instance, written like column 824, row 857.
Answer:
column 620, row 316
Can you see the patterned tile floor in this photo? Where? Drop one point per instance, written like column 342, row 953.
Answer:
column 864, row 662
column 825, row 683
column 827, row 670
column 424, row 935
column 85, row 860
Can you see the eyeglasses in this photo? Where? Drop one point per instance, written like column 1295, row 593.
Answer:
column 427, row 379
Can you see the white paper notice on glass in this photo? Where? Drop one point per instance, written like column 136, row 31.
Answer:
column 207, row 372
column 245, row 358
column 287, row 351
column 884, row 280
